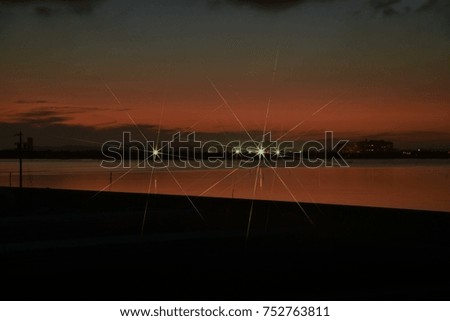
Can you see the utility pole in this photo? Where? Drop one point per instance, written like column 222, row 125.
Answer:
column 19, row 145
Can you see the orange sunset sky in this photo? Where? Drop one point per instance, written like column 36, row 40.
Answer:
column 74, row 71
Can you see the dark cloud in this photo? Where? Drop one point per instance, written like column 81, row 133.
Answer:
column 269, row 5
column 31, row 102
column 39, row 118
column 50, row 7
column 383, row 4
column 384, row 7
column 428, row 5
column 390, row 12
column 44, row 116
column 401, row 7
column 44, row 11
column 34, row 114
column 51, row 131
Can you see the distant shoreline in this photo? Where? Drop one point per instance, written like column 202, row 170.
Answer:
column 95, row 154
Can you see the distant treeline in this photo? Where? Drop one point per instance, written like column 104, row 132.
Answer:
column 97, row 154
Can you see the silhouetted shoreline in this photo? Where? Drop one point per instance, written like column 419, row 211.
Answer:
column 97, row 154
column 63, row 244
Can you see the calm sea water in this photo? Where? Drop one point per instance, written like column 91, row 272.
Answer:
column 413, row 184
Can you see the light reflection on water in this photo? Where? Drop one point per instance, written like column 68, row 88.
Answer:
column 415, row 184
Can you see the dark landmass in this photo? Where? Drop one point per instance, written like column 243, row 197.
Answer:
column 61, row 244
column 97, row 154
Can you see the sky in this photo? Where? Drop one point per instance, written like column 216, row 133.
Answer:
column 83, row 71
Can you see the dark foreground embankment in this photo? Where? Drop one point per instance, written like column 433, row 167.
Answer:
column 58, row 244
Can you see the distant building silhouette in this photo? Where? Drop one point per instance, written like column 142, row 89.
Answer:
column 369, row 146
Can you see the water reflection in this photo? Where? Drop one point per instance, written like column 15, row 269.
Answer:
column 389, row 183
